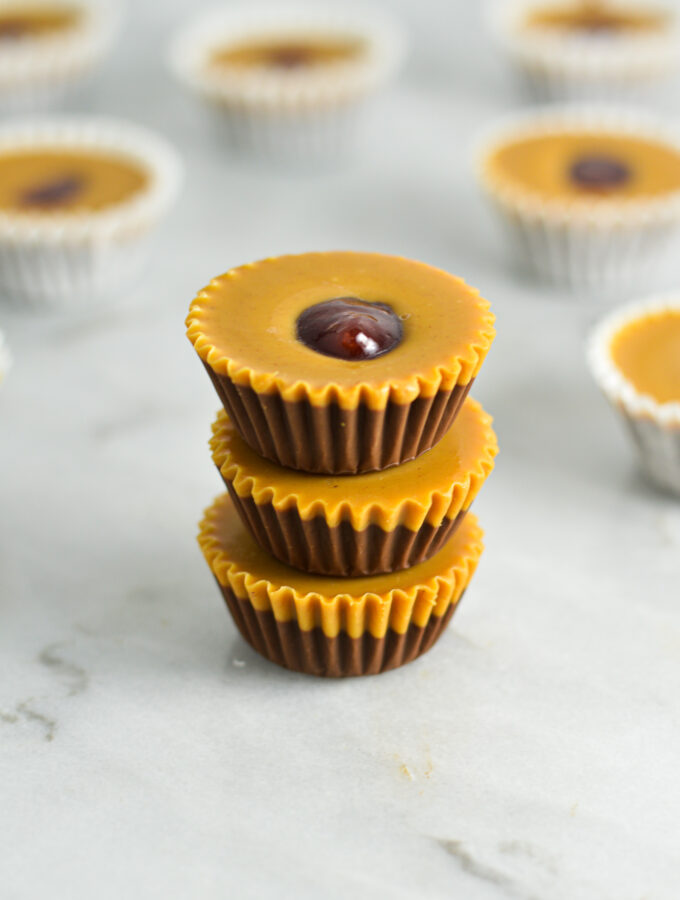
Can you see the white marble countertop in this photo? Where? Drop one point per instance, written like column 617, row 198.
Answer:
column 147, row 752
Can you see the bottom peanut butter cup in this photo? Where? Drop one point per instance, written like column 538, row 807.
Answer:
column 361, row 524
column 335, row 626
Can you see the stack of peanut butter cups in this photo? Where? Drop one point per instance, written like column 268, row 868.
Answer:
column 351, row 453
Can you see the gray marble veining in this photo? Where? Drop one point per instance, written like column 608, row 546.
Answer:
column 147, row 752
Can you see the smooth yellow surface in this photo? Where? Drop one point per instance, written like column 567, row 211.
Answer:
column 541, row 164
column 108, row 179
column 647, row 352
column 244, row 325
column 288, row 53
column 436, row 485
column 594, row 16
column 353, row 605
column 18, row 21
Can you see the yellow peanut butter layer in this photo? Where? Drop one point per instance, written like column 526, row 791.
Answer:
column 66, row 181
column 435, row 486
column 289, row 52
column 243, row 325
column 27, row 20
column 592, row 16
column 541, row 165
column 352, row 605
column 647, row 353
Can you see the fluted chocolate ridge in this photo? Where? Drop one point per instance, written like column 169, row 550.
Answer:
column 314, row 653
column 331, row 440
column 312, row 545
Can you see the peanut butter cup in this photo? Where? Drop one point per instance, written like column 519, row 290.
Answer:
column 376, row 379
column 366, row 524
column 330, row 626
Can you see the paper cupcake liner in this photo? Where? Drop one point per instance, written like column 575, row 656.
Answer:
column 313, row 653
column 320, row 137
column 295, row 620
column 71, row 260
column 584, row 244
column 585, row 68
column 306, row 114
column 332, row 440
column 654, row 427
column 36, row 73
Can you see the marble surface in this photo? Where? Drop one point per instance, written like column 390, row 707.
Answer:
column 146, row 751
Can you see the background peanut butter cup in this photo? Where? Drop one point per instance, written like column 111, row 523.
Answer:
column 54, row 255
column 335, row 626
column 646, row 391
column 588, row 233
column 365, row 524
column 589, row 51
column 288, row 84
column 307, row 410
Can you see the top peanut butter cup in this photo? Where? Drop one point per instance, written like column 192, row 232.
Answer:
column 340, row 362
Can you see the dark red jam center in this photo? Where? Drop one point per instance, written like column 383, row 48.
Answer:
column 350, row 328
column 599, row 25
column 54, row 192
column 289, row 57
column 599, row 173
column 604, row 28
column 11, row 29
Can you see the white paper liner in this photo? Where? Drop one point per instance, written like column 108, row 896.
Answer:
column 599, row 244
column 310, row 112
column 575, row 67
column 655, row 427
column 36, row 72
column 68, row 259
column 5, row 358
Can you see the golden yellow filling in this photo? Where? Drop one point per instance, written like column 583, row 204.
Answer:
column 26, row 21
column 596, row 17
column 548, row 165
column 49, row 181
column 287, row 53
column 434, row 486
column 244, row 325
column 354, row 605
column 647, row 353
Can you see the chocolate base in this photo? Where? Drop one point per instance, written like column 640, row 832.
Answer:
column 335, row 441
column 313, row 653
column 314, row 546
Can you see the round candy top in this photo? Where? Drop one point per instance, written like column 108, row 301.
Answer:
column 287, row 53
column 46, row 180
column 19, row 21
column 646, row 351
column 349, row 328
column 597, row 17
column 585, row 164
column 316, row 327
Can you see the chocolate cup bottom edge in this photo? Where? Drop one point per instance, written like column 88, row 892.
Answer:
column 313, row 653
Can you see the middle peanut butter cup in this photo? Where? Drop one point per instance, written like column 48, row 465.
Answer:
column 368, row 524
